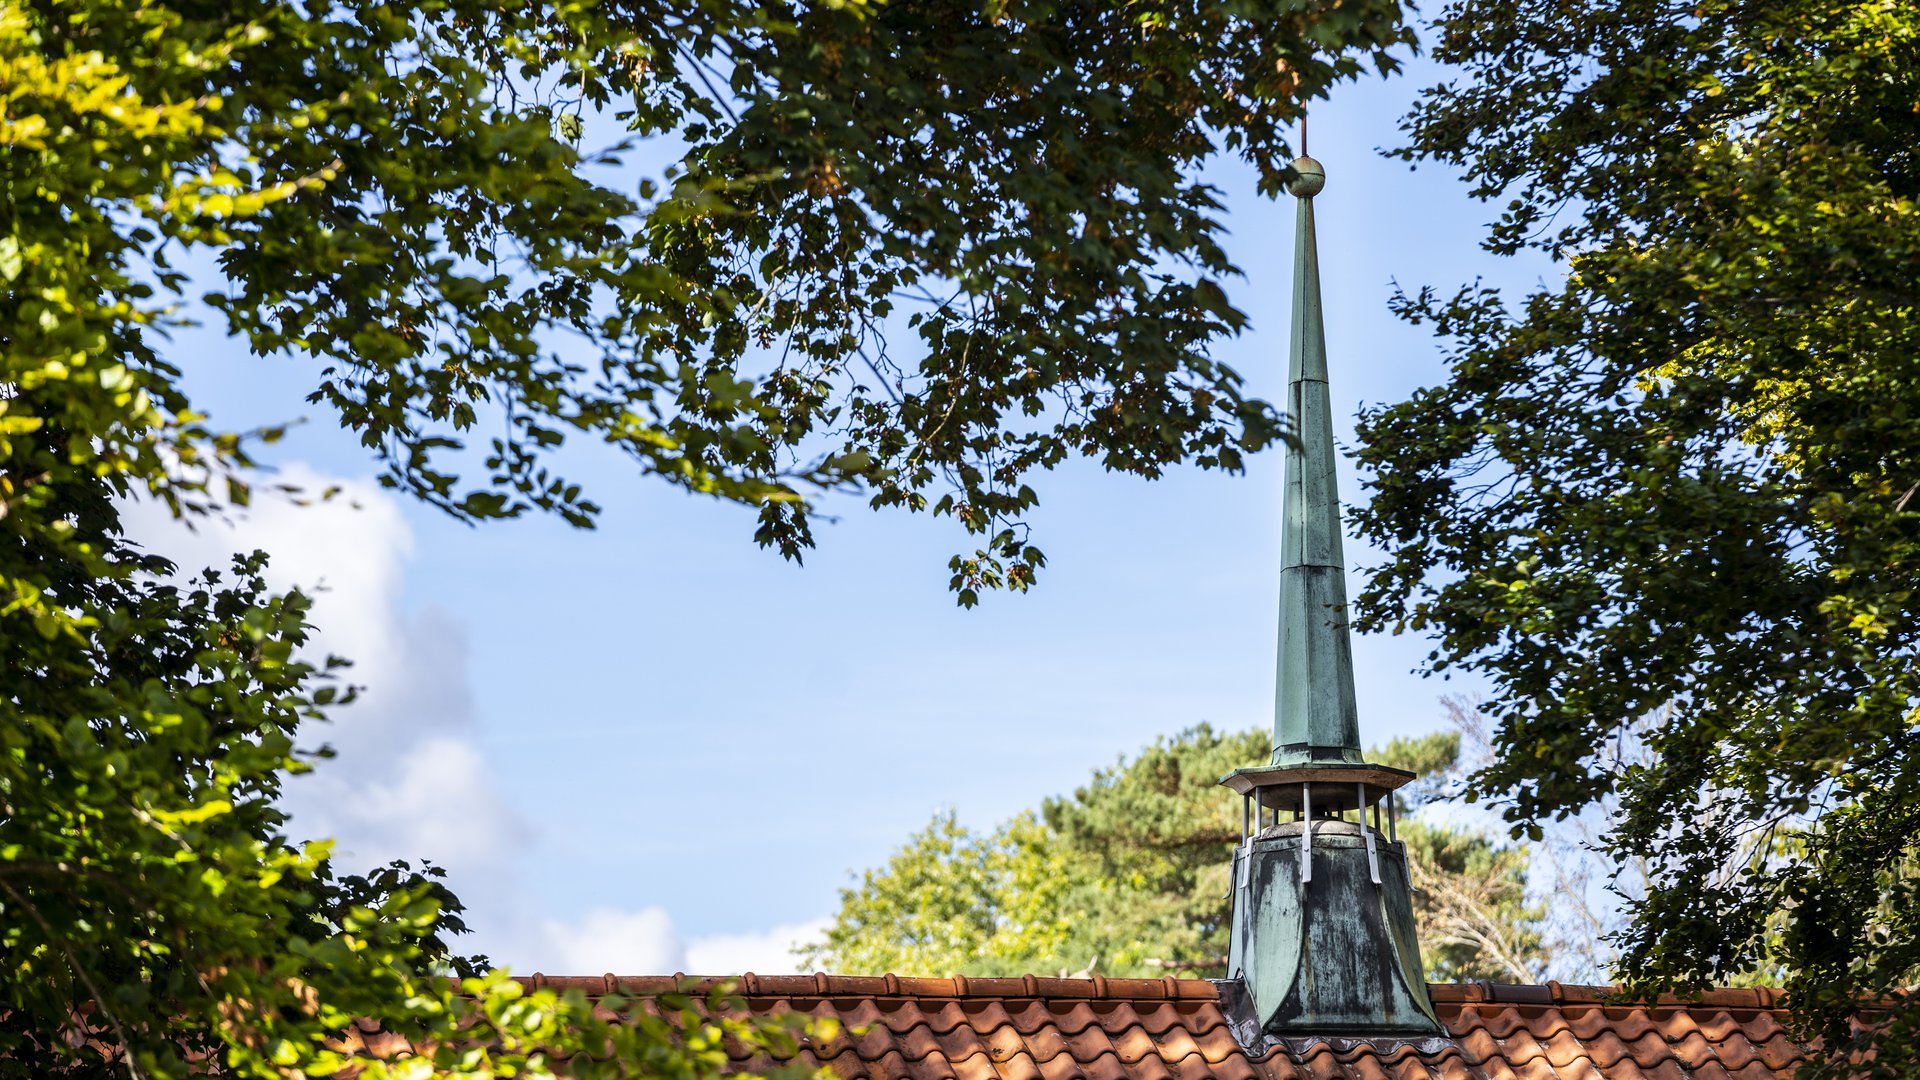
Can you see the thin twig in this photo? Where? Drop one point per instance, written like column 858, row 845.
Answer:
column 79, row 969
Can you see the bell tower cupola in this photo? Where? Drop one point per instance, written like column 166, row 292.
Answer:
column 1323, row 933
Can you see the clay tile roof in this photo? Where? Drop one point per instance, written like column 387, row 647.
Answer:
column 1109, row 1029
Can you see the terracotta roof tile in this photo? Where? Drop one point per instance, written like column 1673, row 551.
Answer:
column 1218, row 1045
column 972, row 1067
column 1320, row 1063
column 959, row 1043
column 1031, row 1028
column 1132, row 1046
column 1125, row 1049
column 1190, row 1066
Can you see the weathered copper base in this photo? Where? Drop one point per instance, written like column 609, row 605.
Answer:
column 1326, row 945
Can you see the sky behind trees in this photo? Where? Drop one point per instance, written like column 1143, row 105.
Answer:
column 654, row 746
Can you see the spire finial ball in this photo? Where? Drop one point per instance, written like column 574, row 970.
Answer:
column 1312, row 177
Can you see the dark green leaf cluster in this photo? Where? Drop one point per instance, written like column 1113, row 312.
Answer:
column 141, row 758
column 1684, row 478
column 1016, row 189
column 404, row 197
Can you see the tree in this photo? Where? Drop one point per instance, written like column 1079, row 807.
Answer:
column 408, row 201
column 158, row 919
column 1129, row 877
column 403, row 195
column 1680, row 481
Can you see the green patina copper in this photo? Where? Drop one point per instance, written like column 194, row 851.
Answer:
column 1314, row 716
column 1322, row 938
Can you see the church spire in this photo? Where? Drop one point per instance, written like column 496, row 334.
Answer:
column 1314, row 717
column 1322, row 939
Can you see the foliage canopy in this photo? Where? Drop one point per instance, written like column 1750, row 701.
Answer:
column 403, row 195
column 406, row 197
column 1683, row 479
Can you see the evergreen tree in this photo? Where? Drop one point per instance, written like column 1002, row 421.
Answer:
column 1128, row 876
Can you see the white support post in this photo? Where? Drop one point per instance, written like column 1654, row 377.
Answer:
column 1360, row 805
column 1306, row 832
column 1243, row 853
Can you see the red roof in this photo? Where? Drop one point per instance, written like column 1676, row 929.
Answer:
column 1056, row 1029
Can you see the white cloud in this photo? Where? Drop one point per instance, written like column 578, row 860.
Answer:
column 765, row 952
column 438, row 800
column 408, row 781
column 645, row 942
column 624, row 942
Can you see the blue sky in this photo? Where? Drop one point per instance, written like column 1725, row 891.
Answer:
column 652, row 744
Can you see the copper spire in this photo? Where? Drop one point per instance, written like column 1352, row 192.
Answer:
column 1314, row 717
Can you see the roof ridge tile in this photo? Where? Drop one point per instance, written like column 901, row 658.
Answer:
column 1099, row 1028
column 1554, row 992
